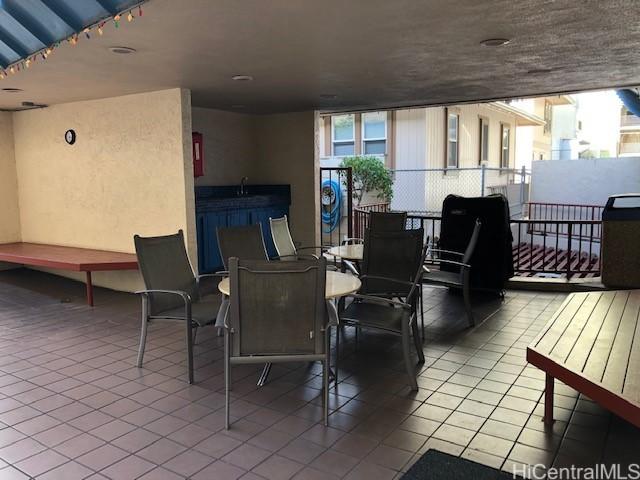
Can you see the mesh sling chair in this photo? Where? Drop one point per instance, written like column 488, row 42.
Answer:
column 172, row 291
column 387, row 221
column 392, row 268
column 283, row 242
column 278, row 314
column 245, row 242
column 462, row 278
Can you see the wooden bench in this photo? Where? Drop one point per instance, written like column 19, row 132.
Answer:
column 68, row 258
column 592, row 344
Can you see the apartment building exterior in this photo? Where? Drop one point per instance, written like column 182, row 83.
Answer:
column 432, row 151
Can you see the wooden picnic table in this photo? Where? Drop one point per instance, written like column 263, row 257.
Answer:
column 592, row 344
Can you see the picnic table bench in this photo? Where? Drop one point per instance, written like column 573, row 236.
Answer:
column 68, row 258
column 592, row 344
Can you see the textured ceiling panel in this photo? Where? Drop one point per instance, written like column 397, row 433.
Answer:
column 335, row 54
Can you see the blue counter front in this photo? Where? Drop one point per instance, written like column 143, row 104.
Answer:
column 224, row 207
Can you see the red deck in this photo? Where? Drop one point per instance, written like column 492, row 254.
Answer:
column 530, row 260
column 68, row 258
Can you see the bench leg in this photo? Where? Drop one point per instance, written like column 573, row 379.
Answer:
column 548, row 400
column 89, row 290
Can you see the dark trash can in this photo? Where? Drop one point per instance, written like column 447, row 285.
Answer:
column 620, row 249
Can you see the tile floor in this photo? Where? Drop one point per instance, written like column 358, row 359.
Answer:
column 73, row 405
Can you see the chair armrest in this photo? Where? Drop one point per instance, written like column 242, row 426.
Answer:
column 387, row 279
column 351, row 267
column 317, row 247
column 296, row 257
column 450, row 252
column 453, row 262
column 221, row 274
column 185, row 296
column 379, row 300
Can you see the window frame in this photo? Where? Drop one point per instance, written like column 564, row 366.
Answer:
column 343, row 142
column 364, row 140
column 483, row 121
column 450, row 113
column 505, row 126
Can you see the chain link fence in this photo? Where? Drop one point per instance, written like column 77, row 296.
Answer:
column 423, row 191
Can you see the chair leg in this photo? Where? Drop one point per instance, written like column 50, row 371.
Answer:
column 264, row 375
column 416, row 340
column 406, row 347
column 143, row 331
column 466, row 294
column 190, row 348
column 421, row 297
column 335, row 372
column 325, row 391
column 227, row 379
column 195, row 334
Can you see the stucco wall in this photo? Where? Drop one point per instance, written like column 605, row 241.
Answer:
column 9, row 211
column 230, row 145
column 129, row 172
column 584, row 181
column 288, row 153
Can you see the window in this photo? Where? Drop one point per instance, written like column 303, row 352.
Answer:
column 505, row 145
column 374, row 133
column 453, row 120
column 548, row 114
column 343, row 135
column 484, row 140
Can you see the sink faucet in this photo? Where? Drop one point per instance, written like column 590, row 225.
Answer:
column 242, row 184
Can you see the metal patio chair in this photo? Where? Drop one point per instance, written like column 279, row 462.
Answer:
column 392, row 269
column 278, row 314
column 172, row 291
column 245, row 242
column 460, row 279
column 387, row 221
column 284, row 244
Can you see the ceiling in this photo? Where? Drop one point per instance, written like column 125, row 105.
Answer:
column 366, row 53
column 27, row 26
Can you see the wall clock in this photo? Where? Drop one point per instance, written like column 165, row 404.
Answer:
column 70, row 136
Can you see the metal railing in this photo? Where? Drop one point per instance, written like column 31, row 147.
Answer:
column 556, row 211
column 566, row 248
column 557, row 247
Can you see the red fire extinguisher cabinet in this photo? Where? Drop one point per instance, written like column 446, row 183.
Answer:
column 198, row 155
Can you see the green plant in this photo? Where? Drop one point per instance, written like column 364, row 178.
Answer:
column 369, row 175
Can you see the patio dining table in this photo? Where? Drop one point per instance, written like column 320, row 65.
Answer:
column 348, row 252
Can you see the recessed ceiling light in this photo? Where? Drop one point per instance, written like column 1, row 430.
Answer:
column 122, row 50
column 495, row 42
column 12, row 90
column 242, row 78
column 328, row 96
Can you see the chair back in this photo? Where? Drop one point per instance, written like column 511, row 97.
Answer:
column 245, row 242
column 165, row 265
column 387, row 221
column 277, row 308
column 282, row 237
column 473, row 241
column 395, row 255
